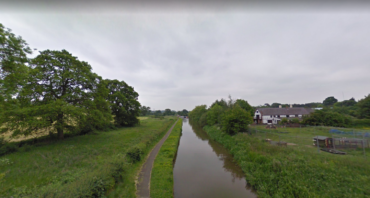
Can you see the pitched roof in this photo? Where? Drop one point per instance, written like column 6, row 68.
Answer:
column 285, row 111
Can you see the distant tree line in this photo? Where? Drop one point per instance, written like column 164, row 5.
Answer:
column 58, row 92
column 233, row 116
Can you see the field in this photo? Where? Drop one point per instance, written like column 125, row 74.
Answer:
column 301, row 138
column 161, row 183
column 90, row 165
column 276, row 171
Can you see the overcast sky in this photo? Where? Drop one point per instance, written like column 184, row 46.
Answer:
column 179, row 59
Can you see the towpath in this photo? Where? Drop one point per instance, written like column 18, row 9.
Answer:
column 143, row 185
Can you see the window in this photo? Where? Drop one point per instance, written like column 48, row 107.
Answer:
column 278, row 116
column 296, row 116
column 287, row 116
column 270, row 116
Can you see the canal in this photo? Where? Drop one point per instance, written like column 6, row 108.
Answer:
column 204, row 168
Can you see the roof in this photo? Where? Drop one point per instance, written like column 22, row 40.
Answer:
column 285, row 111
column 319, row 137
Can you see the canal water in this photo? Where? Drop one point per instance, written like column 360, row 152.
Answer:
column 204, row 168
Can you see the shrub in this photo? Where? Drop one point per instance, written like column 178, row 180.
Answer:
column 236, row 120
column 214, row 114
column 203, row 119
column 284, row 121
column 134, row 154
column 294, row 121
column 327, row 118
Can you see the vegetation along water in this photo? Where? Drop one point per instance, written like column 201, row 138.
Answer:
column 161, row 184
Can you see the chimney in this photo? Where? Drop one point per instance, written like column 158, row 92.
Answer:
column 291, row 106
column 280, row 106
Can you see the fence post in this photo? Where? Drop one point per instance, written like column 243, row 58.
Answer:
column 363, row 143
column 332, row 137
column 317, row 139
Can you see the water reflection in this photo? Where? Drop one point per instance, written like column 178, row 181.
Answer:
column 229, row 164
column 204, row 168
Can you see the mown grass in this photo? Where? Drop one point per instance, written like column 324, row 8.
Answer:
column 161, row 182
column 81, row 166
column 288, row 172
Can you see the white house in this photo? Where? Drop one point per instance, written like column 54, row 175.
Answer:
column 274, row 115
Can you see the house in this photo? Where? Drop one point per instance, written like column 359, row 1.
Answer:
column 274, row 115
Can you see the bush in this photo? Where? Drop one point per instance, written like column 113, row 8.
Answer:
column 214, row 115
column 294, row 121
column 327, row 118
column 134, row 154
column 203, row 119
column 236, row 120
column 284, row 121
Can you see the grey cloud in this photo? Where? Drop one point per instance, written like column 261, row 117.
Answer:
column 178, row 61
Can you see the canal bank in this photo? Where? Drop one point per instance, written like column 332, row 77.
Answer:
column 204, row 168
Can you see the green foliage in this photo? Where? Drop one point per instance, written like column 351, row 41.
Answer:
column 329, row 101
column 94, row 165
column 236, row 120
column 284, row 121
column 161, row 182
column 134, row 154
column 346, row 103
column 169, row 112
column 245, row 105
column 61, row 94
column 197, row 112
column 124, row 103
column 184, row 112
column 13, row 60
column 294, row 121
column 203, row 119
column 364, row 107
column 144, row 110
column 326, row 118
column 275, row 171
column 214, row 115
column 361, row 122
column 222, row 103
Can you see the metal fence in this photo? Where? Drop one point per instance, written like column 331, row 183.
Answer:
column 316, row 138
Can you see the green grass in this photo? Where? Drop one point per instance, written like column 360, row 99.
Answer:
column 81, row 166
column 302, row 137
column 161, row 183
column 276, row 171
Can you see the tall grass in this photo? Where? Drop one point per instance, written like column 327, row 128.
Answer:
column 161, row 183
column 81, row 166
column 287, row 172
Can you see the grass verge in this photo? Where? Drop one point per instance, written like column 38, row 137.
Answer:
column 161, row 182
column 287, row 172
column 82, row 166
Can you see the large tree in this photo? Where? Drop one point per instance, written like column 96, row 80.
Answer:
column 124, row 103
column 13, row 60
column 329, row 101
column 61, row 93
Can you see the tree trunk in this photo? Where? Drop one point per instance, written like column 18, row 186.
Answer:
column 60, row 127
column 60, row 133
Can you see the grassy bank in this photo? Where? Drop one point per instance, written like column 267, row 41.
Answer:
column 161, row 183
column 82, row 166
column 288, row 172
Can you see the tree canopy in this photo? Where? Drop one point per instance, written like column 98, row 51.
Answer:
column 59, row 94
column 124, row 103
column 329, row 101
column 13, row 60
